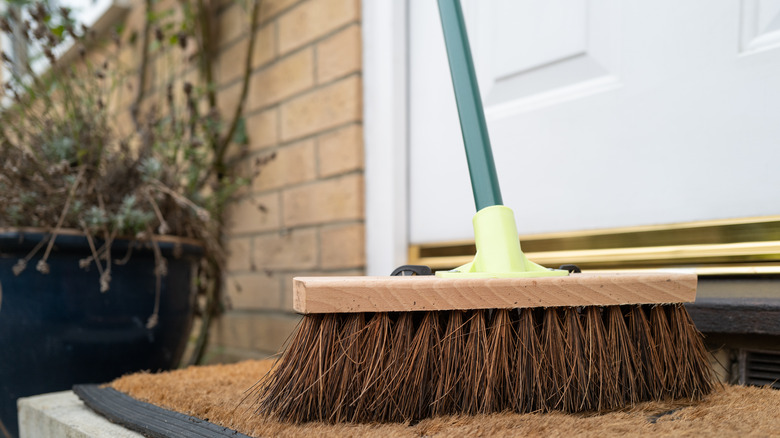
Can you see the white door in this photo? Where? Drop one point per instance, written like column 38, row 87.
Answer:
column 602, row 113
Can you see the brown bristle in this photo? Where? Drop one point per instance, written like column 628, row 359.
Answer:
column 475, row 375
column 500, row 383
column 420, row 370
column 529, row 393
column 647, row 359
column 377, row 345
column 386, row 404
column 407, row 366
column 602, row 386
column 451, row 365
column 622, row 354
column 315, row 385
column 664, row 349
column 576, row 394
column 693, row 366
column 554, row 375
column 344, row 375
column 293, row 392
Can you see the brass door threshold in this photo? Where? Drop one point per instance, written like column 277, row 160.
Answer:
column 745, row 246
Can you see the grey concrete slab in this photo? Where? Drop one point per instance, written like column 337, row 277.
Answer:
column 63, row 414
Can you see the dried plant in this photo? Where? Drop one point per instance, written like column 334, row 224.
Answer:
column 67, row 161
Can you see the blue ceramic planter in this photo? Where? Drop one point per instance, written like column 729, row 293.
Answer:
column 58, row 329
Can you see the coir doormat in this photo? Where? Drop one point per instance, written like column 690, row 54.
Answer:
column 215, row 394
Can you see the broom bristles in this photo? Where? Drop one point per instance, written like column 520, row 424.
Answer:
column 553, row 365
column 406, row 366
column 377, row 344
column 694, row 372
column 665, row 351
column 502, row 341
column 451, row 365
column 602, row 384
column 622, row 355
column 529, row 393
column 576, row 395
column 475, row 369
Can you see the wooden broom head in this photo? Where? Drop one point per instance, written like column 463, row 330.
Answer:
column 427, row 293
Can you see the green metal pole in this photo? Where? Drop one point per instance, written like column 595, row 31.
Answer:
column 484, row 181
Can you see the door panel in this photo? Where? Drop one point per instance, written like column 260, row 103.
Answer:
column 602, row 113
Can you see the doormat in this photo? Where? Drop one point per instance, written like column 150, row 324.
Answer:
column 221, row 394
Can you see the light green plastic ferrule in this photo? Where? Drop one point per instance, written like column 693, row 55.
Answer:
column 498, row 249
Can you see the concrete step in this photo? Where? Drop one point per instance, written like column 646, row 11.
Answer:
column 63, row 414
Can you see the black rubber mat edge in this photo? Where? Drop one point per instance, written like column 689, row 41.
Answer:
column 145, row 418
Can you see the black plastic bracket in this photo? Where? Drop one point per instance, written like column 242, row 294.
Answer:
column 573, row 269
column 408, row 270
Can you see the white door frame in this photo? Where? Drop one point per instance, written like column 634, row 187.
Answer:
column 385, row 121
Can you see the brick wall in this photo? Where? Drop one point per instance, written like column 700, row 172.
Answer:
column 303, row 215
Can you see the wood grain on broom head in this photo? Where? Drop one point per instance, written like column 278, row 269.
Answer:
column 428, row 293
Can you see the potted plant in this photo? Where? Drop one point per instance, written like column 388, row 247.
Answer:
column 108, row 233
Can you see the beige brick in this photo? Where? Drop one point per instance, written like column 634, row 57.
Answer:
column 227, row 100
column 287, row 282
column 321, row 109
column 238, row 255
column 171, row 11
column 282, row 79
column 126, row 92
column 134, row 25
column 233, row 22
column 293, row 164
column 270, row 8
column 342, row 246
column 265, row 45
column 164, row 5
column 253, row 214
column 339, row 55
column 262, row 130
column 259, row 290
column 259, row 332
column 230, row 62
column 124, row 123
column 296, row 249
column 313, row 19
column 324, row 201
column 340, row 151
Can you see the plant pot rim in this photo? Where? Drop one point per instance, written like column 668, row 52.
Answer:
column 78, row 233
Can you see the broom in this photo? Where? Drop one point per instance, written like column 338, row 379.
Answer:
column 500, row 333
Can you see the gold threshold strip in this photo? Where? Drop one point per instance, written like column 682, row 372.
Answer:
column 707, row 270
column 675, row 254
column 737, row 246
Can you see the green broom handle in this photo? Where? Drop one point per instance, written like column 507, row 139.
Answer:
column 484, row 181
